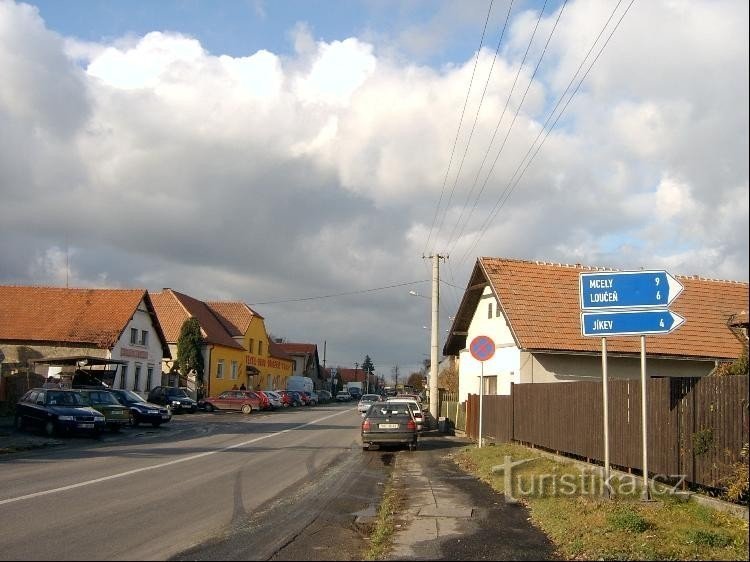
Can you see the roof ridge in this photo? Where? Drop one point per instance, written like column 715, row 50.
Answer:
column 702, row 278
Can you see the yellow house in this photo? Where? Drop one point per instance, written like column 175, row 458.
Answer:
column 223, row 356
column 265, row 366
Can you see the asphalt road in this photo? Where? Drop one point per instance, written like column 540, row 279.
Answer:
column 151, row 494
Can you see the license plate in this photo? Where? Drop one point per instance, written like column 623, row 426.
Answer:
column 86, row 425
column 388, row 425
column 165, row 416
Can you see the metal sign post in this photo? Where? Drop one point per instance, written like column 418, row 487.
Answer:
column 482, row 348
column 627, row 303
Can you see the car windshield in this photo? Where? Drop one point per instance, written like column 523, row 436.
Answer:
column 64, row 399
column 130, row 396
column 176, row 393
column 388, row 411
column 102, row 398
column 370, row 398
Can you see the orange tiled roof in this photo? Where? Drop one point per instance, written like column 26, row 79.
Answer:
column 541, row 303
column 173, row 308
column 53, row 314
column 298, row 348
column 276, row 351
column 234, row 316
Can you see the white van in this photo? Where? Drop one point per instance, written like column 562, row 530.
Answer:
column 300, row 384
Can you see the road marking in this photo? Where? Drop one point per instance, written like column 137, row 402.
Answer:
column 164, row 464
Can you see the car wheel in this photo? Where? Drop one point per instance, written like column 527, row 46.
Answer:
column 115, row 427
column 193, row 409
column 156, row 424
column 247, row 409
column 49, row 428
column 19, row 423
column 209, row 407
column 134, row 421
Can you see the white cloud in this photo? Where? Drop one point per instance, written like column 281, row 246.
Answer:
column 263, row 177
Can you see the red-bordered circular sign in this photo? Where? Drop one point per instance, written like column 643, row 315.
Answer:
column 482, row 348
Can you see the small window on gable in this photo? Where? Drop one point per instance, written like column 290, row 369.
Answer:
column 489, row 310
column 133, row 336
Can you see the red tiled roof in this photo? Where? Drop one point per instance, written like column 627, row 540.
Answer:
column 173, row 308
column 298, row 348
column 275, row 350
column 234, row 316
column 54, row 314
column 542, row 304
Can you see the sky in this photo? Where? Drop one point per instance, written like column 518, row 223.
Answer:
column 304, row 156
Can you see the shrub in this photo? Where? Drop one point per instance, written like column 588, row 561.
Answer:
column 626, row 519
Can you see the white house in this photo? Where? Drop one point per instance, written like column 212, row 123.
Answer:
column 531, row 311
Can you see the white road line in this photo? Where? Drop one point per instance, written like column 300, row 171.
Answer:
column 164, row 464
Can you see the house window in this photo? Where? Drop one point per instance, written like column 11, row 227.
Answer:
column 489, row 310
column 251, row 345
column 149, row 377
column 137, row 380
column 268, row 381
column 144, row 337
column 234, row 370
column 490, row 385
column 260, row 347
column 133, row 336
column 220, row 369
column 123, row 377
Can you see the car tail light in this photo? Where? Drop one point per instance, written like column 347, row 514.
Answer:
column 366, row 425
column 411, row 425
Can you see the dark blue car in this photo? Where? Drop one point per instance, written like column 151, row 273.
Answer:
column 57, row 411
column 142, row 411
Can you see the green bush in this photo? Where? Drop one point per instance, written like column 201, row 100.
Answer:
column 708, row 538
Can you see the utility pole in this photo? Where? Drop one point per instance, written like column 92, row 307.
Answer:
column 435, row 333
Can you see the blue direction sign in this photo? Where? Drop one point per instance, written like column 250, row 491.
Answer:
column 628, row 289
column 629, row 323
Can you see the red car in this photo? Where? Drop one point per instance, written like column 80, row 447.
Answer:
column 243, row 400
column 287, row 400
column 265, row 403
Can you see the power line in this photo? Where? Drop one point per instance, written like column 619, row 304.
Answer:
column 476, row 119
column 460, row 121
column 511, row 184
column 340, row 294
column 515, row 116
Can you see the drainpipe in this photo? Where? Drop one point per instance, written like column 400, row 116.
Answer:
column 207, row 370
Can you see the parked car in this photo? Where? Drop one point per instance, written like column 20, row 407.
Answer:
column 416, row 407
column 366, row 401
column 343, row 396
column 299, row 397
column 265, row 401
column 312, row 398
column 245, row 401
column 57, row 411
column 174, row 397
column 287, row 400
column 142, row 411
column 389, row 424
column 116, row 416
column 324, row 396
column 274, row 399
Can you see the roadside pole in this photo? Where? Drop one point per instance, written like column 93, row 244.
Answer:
column 482, row 349
column 645, row 493
column 607, row 488
column 481, row 395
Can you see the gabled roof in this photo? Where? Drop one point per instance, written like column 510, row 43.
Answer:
column 275, row 350
column 542, row 305
column 234, row 316
column 298, row 348
column 95, row 317
column 173, row 308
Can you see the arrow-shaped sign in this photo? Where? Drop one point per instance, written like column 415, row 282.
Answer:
column 628, row 289
column 629, row 323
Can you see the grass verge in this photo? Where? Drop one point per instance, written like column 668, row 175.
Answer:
column 564, row 501
column 382, row 531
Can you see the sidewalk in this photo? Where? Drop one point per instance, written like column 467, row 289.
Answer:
column 450, row 515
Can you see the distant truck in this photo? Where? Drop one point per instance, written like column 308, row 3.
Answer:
column 301, row 384
column 355, row 389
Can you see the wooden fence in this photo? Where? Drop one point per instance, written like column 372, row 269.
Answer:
column 697, row 427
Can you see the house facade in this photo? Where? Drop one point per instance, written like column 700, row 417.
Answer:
column 56, row 323
column 305, row 360
column 223, row 357
column 265, row 366
column 531, row 311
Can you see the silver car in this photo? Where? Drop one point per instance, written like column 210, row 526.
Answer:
column 366, row 401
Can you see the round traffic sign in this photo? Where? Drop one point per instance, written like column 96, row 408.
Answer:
column 482, row 348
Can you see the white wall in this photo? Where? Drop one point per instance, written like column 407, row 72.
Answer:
column 149, row 355
column 504, row 366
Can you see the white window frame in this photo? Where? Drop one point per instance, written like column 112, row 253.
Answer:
column 220, row 369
